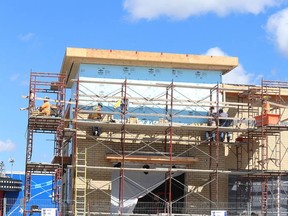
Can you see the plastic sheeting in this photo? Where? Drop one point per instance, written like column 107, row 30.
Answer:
column 136, row 185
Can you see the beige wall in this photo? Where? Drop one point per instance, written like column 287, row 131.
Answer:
column 253, row 152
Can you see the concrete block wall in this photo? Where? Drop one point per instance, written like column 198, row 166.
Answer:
column 277, row 145
column 99, row 181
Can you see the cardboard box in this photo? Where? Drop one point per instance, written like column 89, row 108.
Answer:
column 268, row 119
column 133, row 120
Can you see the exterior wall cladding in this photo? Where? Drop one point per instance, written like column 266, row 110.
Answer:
column 14, row 203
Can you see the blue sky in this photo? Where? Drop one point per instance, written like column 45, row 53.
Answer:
column 34, row 35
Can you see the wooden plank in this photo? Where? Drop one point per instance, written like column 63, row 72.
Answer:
column 152, row 159
column 147, row 58
column 41, row 167
column 59, row 159
column 154, row 128
column 45, row 123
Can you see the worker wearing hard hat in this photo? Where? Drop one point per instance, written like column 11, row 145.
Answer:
column 97, row 114
column 45, row 108
column 265, row 106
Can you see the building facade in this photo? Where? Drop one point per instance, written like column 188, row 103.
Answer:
column 131, row 139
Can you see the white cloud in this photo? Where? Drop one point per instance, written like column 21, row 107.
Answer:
column 215, row 51
column 182, row 9
column 238, row 75
column 277, row 28
column 6, row 146
column 26, row 37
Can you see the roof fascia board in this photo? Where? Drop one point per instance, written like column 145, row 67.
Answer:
column 76, row 56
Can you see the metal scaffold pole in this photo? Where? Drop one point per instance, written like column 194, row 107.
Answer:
column 170, row 135
column 124, row 107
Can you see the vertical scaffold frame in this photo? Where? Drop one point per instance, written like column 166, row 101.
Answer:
column 51, row 84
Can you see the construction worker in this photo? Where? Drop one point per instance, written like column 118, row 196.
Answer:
column 96, row 131
column 45, row 109
column 223, row 122
column 96, row 115
column 265, row 106
column 208, row 134
column 31, row 106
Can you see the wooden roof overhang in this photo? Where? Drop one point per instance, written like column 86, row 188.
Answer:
column 76, row 56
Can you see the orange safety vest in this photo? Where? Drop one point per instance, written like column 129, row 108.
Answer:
column 97, row 114
column 46, row 108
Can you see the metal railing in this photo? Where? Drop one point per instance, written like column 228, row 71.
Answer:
column 14, row 207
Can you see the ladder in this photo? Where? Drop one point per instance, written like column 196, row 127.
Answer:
column 264, row 185
column 57, row 185
column 80, row 183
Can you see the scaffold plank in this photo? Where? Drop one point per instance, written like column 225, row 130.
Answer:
column 41, row 167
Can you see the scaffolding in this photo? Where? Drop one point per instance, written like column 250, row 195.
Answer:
column 168, row 139
column 265, row 142
column 41, row 84
column 163, row 131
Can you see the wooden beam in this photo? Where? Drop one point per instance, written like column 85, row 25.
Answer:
column 151, row 159
column 64, row 160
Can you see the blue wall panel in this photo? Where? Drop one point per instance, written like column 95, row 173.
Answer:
column 41, row 194
column 152, row 77
column 150, row 74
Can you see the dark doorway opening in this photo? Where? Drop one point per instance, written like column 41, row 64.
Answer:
column 157, row 200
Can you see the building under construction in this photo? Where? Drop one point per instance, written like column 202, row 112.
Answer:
column 131, row 137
